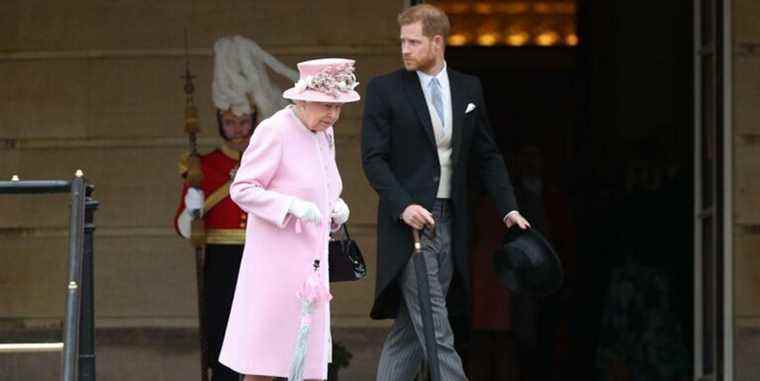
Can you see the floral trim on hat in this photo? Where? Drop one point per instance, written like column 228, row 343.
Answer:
column 330, row 80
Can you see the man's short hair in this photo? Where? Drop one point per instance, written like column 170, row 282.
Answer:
column 434, row 20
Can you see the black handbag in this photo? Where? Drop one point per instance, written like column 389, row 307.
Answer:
column 345, row 259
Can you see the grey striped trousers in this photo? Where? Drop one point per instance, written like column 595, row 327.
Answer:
column 404, row 347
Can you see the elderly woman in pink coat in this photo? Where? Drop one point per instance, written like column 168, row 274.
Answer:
column 289, row 185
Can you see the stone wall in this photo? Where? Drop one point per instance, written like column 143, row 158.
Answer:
column 746, row 141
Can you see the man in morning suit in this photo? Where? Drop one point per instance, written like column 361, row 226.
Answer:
column 423, row 127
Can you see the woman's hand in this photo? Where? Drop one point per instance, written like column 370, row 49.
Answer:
column 340, row 213
column 305, row 211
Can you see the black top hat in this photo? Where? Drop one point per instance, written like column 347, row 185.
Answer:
column 527, row 263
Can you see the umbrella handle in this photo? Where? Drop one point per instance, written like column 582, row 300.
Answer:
column 417, row 243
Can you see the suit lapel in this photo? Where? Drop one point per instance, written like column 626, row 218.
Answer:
column 417, row 99
column 458, row 99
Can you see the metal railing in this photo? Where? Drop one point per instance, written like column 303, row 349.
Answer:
column 78, row 346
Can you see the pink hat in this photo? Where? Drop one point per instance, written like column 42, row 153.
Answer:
column 329, row 80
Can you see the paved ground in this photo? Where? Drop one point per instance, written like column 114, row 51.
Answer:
column 163, row 355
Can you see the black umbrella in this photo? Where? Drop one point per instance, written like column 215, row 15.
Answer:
column 426, row 310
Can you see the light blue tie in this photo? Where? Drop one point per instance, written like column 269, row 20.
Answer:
column 435, row 97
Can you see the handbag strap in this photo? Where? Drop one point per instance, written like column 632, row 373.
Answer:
column 344, row 228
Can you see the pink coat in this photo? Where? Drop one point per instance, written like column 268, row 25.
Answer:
column 284, row 160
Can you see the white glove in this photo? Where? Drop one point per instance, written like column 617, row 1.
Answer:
column 305, row 211
column 194, row 200
column 340, row 212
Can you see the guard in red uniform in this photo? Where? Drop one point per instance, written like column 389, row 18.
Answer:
column 225, row 229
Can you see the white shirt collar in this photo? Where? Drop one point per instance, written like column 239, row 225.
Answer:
column 442, row 76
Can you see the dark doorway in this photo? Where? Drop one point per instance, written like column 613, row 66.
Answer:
column 612, row 123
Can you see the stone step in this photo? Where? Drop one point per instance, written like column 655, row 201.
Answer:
column 159, row 354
